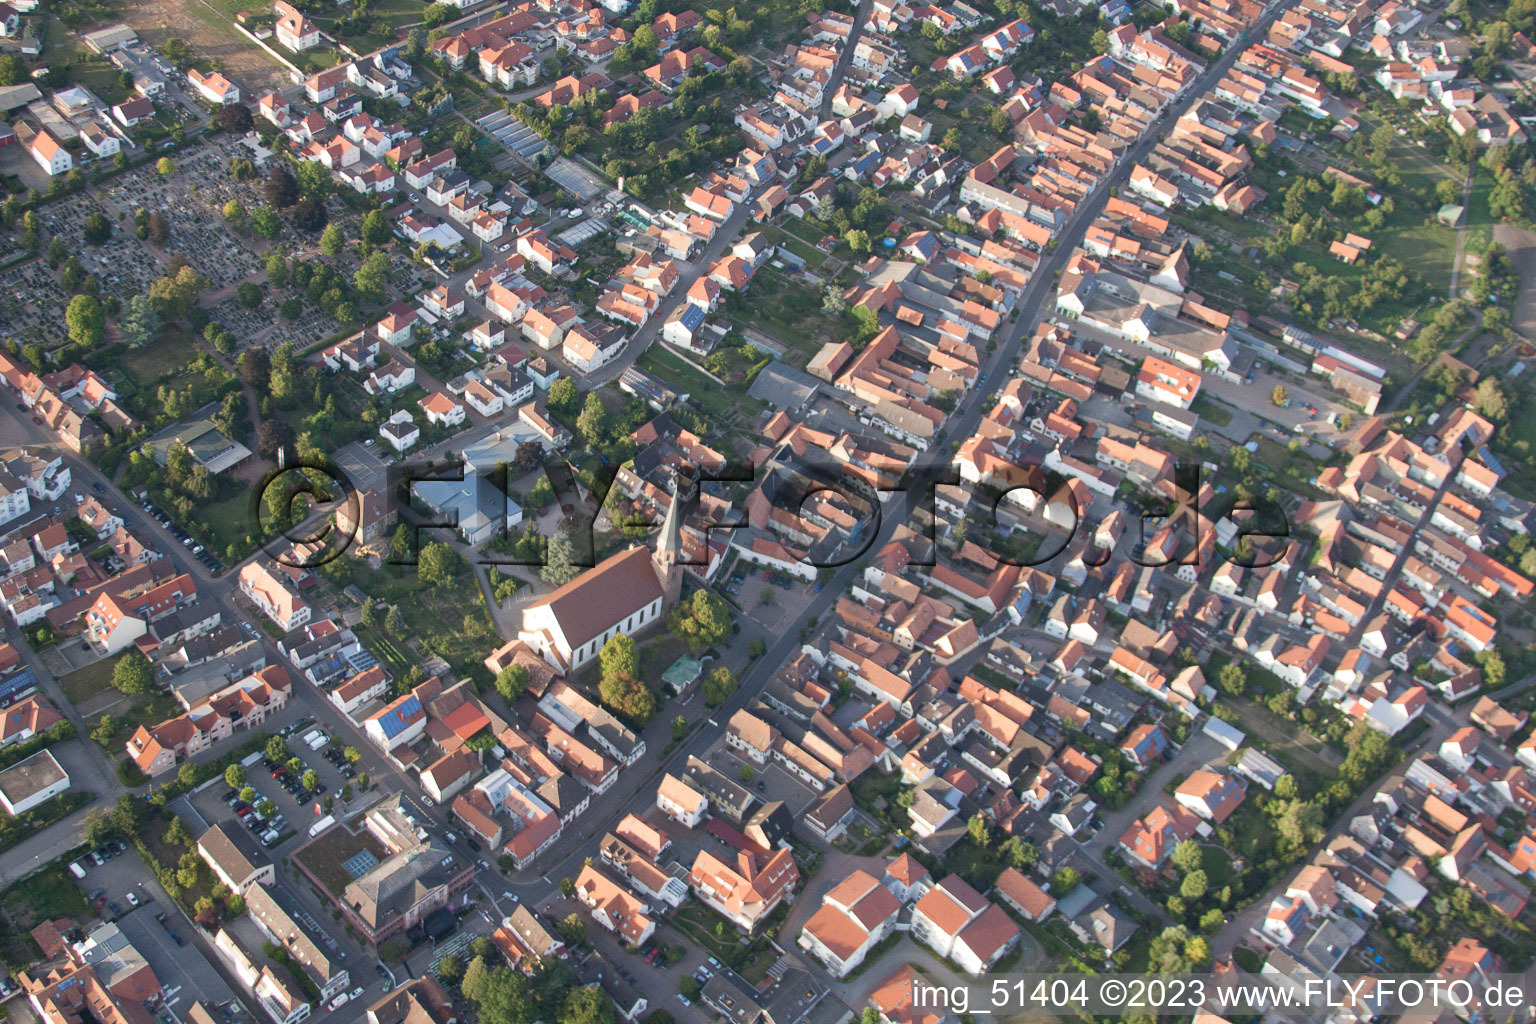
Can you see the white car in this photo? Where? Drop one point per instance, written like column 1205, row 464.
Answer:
column 355, row 992
column 339, row 1001
column 133, row 899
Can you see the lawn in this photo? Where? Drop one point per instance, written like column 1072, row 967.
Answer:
column 719, row 405
column 450, row 621
column 85, row 683
column 99, row 76
column 144, row 367
column 789, row 311
column 1208, row 408
column 1427, row 249
column 47, row 894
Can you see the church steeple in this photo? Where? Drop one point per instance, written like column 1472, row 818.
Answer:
column 668, row 559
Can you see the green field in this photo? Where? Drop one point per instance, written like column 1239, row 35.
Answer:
column 87, row 682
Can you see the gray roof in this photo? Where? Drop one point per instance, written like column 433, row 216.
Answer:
column 23, row 780
column 398, row 883
column 233, row 850
column 300, row 943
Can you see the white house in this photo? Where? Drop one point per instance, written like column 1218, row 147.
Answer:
column 400, row 430
column 856, row 915
column 31, row 782
column 50, row 153
column 442, row 410
column 214, row 87
column 293, row 29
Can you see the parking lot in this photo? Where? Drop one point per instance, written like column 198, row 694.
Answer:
column 294, row 808
column 364, row 465
column 112, row 880
column 208, row 558
column 768, row 598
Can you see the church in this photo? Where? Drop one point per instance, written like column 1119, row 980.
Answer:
column 622, row 594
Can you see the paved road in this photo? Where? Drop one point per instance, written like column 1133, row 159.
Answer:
column 860, row 19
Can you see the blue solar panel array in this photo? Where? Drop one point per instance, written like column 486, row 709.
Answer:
column 13, row 686
column 395, row 722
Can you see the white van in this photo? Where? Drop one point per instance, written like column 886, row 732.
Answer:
column 76, row 870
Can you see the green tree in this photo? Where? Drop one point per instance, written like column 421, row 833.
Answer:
column 560, row 560
column 97, row 228
column 619, row 657
column 234, row 776
column 1300, row 823
column 1170, row 952
column 276, row 749
column 1489, row 399
column 572, row 929
column 450, row 970
column 587, row 1005
column 1232, row 679
column 133, row 673
column 718, row 686
column 979, row 831
column 165, row 167
column 1193, row 885
column 375, row 228
column 512, row 682
column 138, row 324
column 104, row 729
column 332, row 240
column 628, row 696
column 562, row 395
column 593, row 421
column 263, row 222
column 702, row 622
column 373, row 277
column 438, row 564
column 1187, row 856
column 86, row 320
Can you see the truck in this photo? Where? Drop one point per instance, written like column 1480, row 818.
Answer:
column 321, row 825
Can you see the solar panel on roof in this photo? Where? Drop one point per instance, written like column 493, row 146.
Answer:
column 360, row 864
